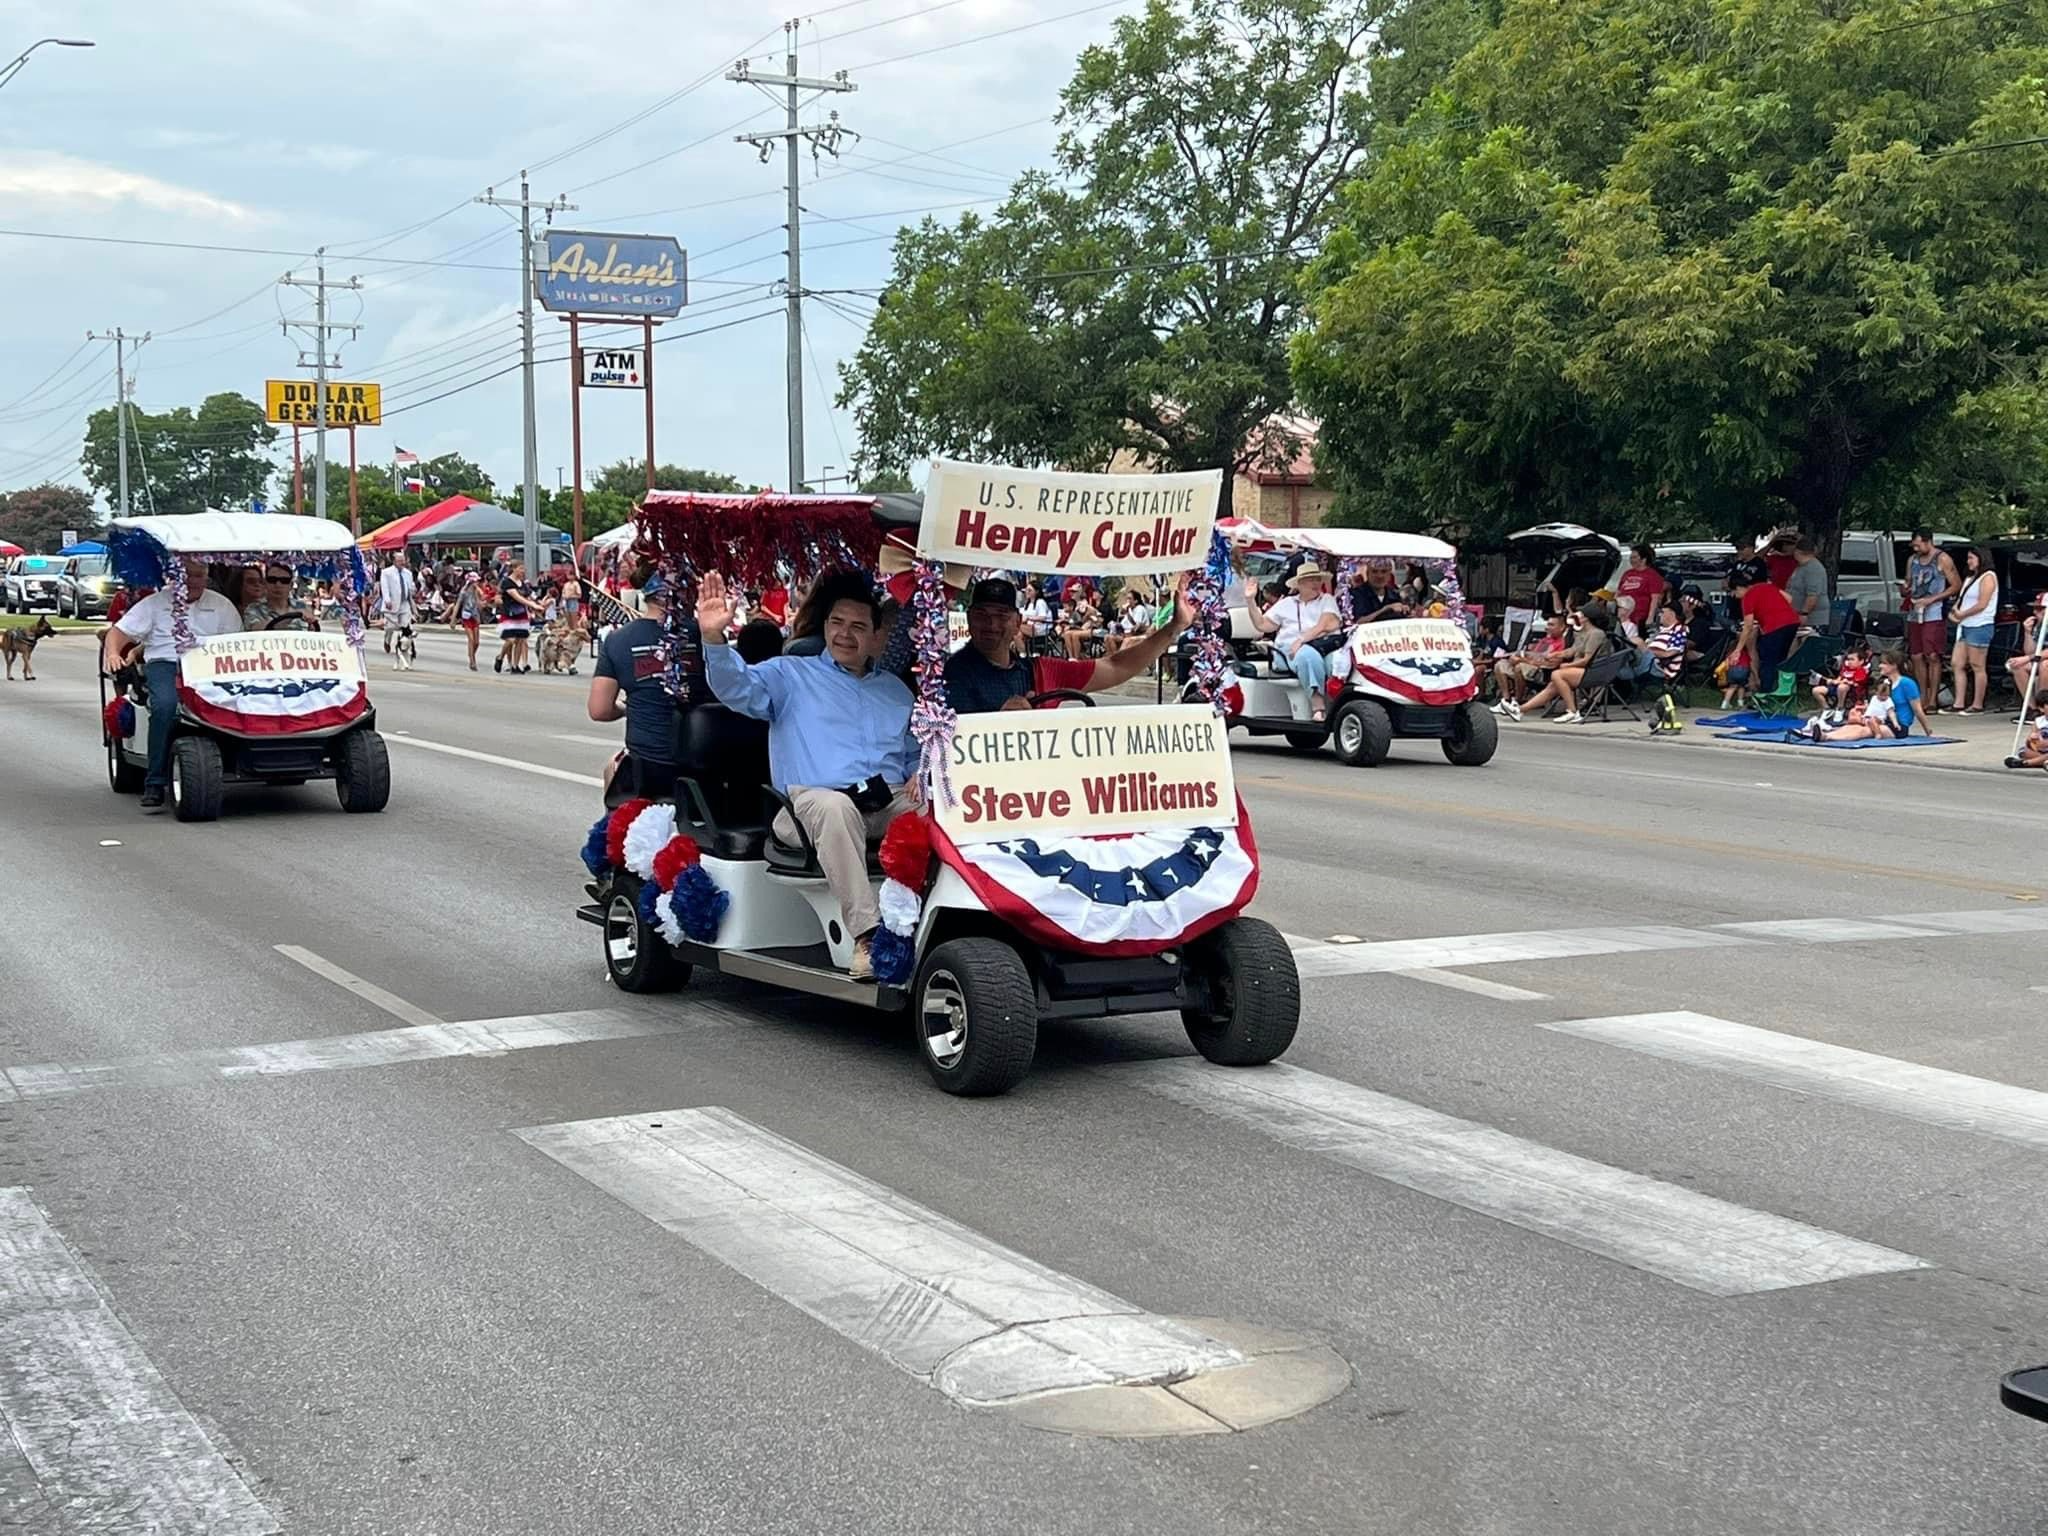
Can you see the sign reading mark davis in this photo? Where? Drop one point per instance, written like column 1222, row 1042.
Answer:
column 641, row 276
column 614, row 370
column 296, row 403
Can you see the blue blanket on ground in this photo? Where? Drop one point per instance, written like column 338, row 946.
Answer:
column 1747, row 720
column 1782, row 734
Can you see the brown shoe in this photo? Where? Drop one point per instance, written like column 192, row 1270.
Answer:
column 862, row 966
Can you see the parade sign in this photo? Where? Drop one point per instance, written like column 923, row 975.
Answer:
column 613, row 370
column 273, row 682
column 1086, row 525
column 296, row 403
column 1022, row 773
column 642, row 277
column 1426, row 661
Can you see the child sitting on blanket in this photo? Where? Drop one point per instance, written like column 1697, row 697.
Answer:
column 2033, row 752
column 1889, row 716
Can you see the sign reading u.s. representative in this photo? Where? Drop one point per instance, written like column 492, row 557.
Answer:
column 1087, row 525
column 296, row 403
column 643, row 277
column 1024, row 772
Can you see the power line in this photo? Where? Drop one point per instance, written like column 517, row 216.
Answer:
column 824, row 395
column 1043, row 21
column 236, row 250
column 61, row 368
column 1978, row 149
column 1928, row 21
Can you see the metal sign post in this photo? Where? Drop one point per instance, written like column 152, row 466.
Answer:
column 647, row 379
column 576, row 434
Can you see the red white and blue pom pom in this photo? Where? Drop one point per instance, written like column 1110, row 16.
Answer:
column 678, row 897
column 647, row 835
column 906, row 858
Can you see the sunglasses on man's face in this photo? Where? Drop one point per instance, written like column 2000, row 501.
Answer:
column 278, row 581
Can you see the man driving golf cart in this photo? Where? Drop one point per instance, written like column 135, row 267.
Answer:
column 990, row 671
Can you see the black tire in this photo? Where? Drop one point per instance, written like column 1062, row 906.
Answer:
column 1475, row 735
column 1253, row 989
column 1362, row 732
column 362, row 772
column 975, row 1011
column 123, row 777
column 197, row 782
column 636, row 957
column 1306, row 741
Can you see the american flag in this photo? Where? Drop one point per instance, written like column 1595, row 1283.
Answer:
column 400, row 456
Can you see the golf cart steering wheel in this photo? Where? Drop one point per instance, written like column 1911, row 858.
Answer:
column 1059, row 696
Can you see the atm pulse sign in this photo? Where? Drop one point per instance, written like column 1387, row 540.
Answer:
column 296, row 403
column 614, row 370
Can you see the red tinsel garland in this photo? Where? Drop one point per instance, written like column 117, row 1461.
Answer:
column 615, row 831
column 906, row 851
column 747, row 539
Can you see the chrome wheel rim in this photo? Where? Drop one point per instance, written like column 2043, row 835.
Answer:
column 943, row 1011
column 177, row 782
column 621, row 934
column 1350, row 733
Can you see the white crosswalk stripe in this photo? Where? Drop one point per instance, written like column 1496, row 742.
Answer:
column 1908, row 1089
column 1681, row 1234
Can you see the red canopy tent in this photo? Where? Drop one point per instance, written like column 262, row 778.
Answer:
column 9, row 551
column 394, row 534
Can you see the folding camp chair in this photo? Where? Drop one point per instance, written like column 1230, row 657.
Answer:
column 1812, row 654
column 1603, row 685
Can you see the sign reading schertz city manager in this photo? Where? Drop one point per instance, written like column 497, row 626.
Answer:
column 641, row 277
column 1088, row 525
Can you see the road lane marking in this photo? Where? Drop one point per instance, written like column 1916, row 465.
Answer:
column 1828, row 930
column 111, row 1447
column 977, row 1321
column 1478, row 986
column 374, row 995
column 584, row 739
column 1695, row 1239
column 1932, row 1095
column 328, row 1053
column 589, row 779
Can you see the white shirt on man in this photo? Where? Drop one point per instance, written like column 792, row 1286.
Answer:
column 1296, row 616
column 150, row 622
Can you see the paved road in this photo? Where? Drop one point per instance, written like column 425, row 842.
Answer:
column 1629, row 1204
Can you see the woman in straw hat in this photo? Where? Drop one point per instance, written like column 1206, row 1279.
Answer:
column 1304, row 616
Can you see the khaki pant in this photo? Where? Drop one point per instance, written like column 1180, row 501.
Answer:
column 841, row 835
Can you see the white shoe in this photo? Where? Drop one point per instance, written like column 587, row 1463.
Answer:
column 1498, row 707
column 1571, row 717
column 1511, row 709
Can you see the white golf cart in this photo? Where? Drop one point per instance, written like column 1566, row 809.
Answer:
column 1073, row 862
column 1408, row 678
column 279, row 706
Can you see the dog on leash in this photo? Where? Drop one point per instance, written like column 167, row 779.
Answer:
column 22, row 643
column 406, row 650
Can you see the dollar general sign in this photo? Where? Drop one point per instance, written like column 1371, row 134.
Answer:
column 296, row 403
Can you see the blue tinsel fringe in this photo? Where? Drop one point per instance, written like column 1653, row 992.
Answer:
column 894, row 956
column 699, row 904
column 593, row 849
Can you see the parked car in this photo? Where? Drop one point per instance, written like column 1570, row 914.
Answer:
column 33, row 583
column 1874, row 563
column 85, row 587
column 1560, row 558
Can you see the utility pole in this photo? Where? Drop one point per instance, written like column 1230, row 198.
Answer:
column 824, row 139
column 531, row 498
column 120, row 339
column 320, row 328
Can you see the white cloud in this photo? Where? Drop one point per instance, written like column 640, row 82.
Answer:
column 47, row 179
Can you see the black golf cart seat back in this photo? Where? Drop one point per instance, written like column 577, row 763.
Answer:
column 724, row 754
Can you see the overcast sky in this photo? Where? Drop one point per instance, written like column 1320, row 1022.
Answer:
column 283, row 125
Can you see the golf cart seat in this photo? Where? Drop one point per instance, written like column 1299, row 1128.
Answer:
column 800, row 859
column 721, row 762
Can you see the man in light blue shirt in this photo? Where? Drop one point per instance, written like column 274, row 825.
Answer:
column 839, row 743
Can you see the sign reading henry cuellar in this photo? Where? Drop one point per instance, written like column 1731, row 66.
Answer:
column 1086, row 525
column 273, row 681
column 1025, row 772
column 642, row 277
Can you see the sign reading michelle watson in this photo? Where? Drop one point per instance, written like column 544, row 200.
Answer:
column 1087, row 525
column 1023, row 772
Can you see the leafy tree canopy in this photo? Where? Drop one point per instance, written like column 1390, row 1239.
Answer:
column 182, row 460
column 36, row 518
column 1139, row 297
column 628, row 478
column 1660, row 263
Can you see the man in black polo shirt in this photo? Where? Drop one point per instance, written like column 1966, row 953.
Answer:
column 987, row 673
column 629, row 686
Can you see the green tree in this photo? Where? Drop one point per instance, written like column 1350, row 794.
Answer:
column 886, row 480
column 36, row 517
column 1139, row 299
column 1652, row 263
column 628, row 478
column 453, row 475
column 182, row 460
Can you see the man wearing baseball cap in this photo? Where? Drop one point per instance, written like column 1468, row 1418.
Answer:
column 988, row 673
column 629, row 686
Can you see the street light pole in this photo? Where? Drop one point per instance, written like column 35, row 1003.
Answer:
column 21, row 59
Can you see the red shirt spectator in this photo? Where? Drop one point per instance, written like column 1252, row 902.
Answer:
column 775, row 604
column 1768, row 606
column 1643, row 586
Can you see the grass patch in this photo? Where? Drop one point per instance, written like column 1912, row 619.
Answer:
column 24, row 620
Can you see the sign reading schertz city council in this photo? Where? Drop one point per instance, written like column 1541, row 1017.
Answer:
column 1088, row 525
column 641, row 277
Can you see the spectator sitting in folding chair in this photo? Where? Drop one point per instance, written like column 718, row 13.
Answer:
column 1588, row 639
column 1846, row 684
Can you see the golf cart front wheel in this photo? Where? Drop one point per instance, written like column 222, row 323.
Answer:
column 636, row 956
column 975, row 1010
column 362, row 772
column 1249, row 991
column 1475, row 735
column 198, row 783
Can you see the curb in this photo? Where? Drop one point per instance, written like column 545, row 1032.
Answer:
column 1914, row 758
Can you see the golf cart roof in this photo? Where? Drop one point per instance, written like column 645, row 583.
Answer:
column 238, row 533
column 1341, row 543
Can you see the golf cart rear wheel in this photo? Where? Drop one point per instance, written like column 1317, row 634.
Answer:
column 362, row 772
column 197, row 783
column 1306, row 741
column 975, row 1010
column 123, row 777
column 1362, row 732
column 1475, row 735
column 636, row 956
column 1245, row 972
